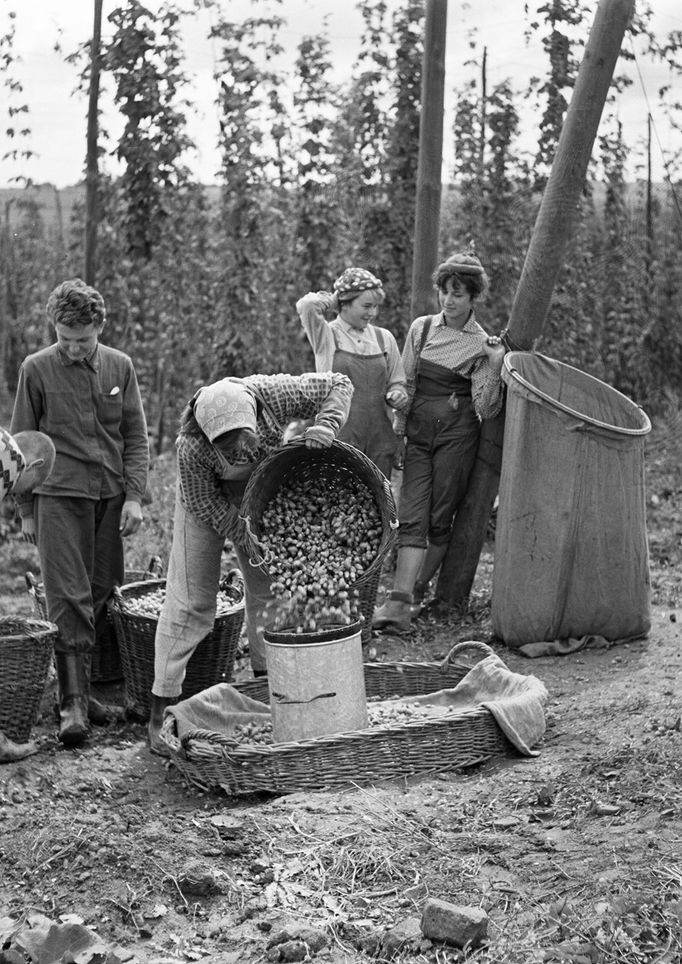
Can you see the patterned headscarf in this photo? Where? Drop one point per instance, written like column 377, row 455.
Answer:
column 466, row 262
column 223, row 406
column 354, row 280
column 12, row 463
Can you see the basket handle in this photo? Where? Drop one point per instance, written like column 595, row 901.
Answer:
column 470, row 645
column 394, row 522
column 154, row 566
column 31, row 583
column 256, row 558
column 233, row 580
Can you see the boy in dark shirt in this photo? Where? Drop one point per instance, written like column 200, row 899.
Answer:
column 85, row 396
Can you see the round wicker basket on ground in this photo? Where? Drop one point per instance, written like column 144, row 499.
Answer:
column 295, row 461
column 106, row 661
column 212, row 661
column 26, row 648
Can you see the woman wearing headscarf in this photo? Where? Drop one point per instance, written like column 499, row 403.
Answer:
column 368, row 354
column 453, row 381
column 227, row 429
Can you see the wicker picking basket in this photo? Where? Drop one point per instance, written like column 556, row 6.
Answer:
column 106, row 661
column 26, row 648
column 212, row 661
column 338, row 460
column 211, row 761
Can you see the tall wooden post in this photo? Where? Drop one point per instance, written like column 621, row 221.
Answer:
column 553, row 229
column 92, row 161
column 427, row 213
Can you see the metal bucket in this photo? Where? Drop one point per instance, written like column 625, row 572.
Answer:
column 316, row 682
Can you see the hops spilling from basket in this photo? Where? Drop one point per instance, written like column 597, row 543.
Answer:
column 319, row 535
column 387, row 713
column 149, row 604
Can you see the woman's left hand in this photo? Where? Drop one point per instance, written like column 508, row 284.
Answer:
column 397, row 398
column 495, row 351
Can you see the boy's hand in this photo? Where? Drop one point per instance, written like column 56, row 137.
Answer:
column 28, row 529
column 131, row 518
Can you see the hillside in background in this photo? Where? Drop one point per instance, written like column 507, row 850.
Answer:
column 56, row 205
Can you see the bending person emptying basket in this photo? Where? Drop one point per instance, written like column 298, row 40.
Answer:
column 226, row 430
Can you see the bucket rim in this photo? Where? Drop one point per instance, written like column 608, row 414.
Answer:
column 331, row 634
column 619, row 429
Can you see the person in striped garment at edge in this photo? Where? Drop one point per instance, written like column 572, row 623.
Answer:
column 453, row 381
column 226, row 430
column 26, row 460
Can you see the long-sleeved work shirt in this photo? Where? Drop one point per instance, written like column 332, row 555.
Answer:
column 461, row 352
column 92, row 411
column 326, row 337
column 324, row 397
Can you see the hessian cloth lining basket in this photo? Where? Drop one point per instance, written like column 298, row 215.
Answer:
column 339, row 459
column 209, row 760
column 571, row 554
column 212, row 661
column 26, row 649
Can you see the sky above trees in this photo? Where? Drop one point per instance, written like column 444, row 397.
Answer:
column 57, row 111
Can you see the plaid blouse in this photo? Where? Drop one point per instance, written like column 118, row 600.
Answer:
column 324, row 398
column 461, row 352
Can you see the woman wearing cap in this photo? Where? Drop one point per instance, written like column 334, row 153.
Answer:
column 226, row 430
column 366, row 353
column 453, row 382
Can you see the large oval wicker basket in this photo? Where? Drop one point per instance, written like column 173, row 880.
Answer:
column 106, row 661
column 213, row 761
column 26, row 648
column 295, row 461
column 212, row 661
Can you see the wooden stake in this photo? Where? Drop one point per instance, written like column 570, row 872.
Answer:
column 427, row 213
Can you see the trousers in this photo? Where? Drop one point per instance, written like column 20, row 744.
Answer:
column 189, row 607
column 81, row 560
column 440, row 453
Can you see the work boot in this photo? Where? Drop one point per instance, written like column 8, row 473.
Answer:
column 157, row 709
column 102, row 714
column 418, row 594
column 395, row 612
column 11, row 751
column 74, row 687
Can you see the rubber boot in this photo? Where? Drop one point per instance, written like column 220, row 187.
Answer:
column 74, row 687
column 101, row 714
column 418, row 594
column 156, row 711
column 395, row 612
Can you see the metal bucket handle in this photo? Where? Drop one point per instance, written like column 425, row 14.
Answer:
column 282, row 699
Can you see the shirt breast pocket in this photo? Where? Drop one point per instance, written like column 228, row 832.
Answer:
column 110, row 409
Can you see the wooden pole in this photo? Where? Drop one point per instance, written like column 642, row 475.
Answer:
column 649, row 215
column 92, row 161
column 552, row 232
column 427, row 212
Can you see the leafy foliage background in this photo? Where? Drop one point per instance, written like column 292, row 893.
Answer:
column 201, row 282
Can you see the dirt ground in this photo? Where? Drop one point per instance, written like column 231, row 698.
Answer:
column 574, row 855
